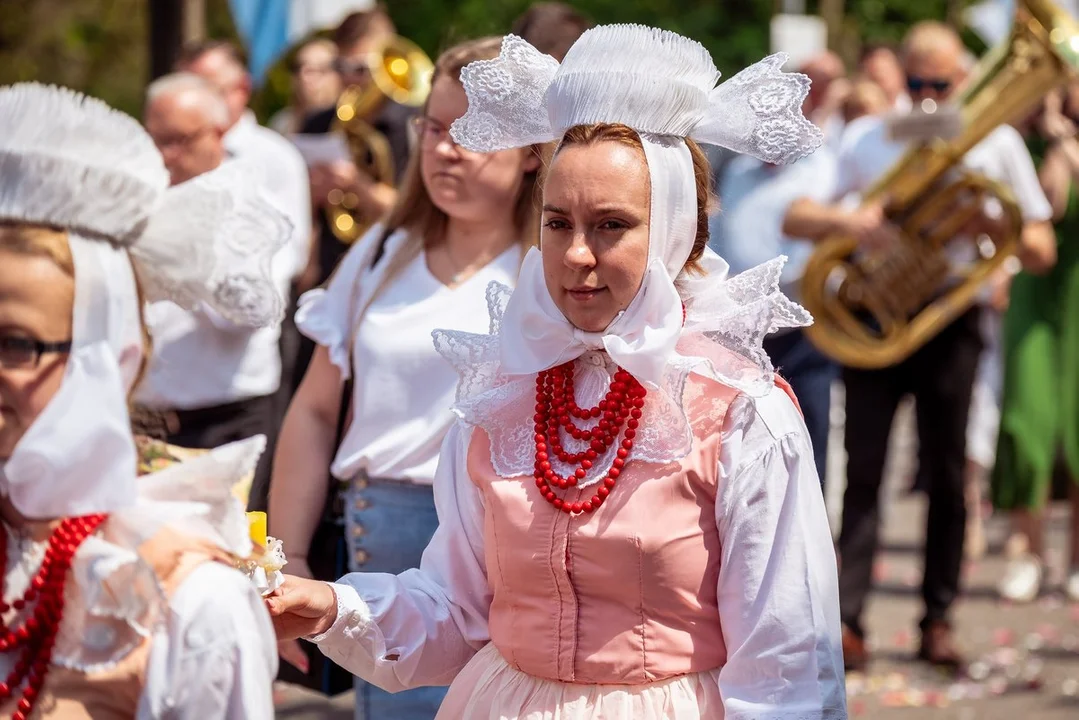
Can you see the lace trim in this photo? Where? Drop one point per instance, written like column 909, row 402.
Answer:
column 116, row 600
column 759, row 112
column 726, row 323
column 506, row 98
column 349, row 620
column 652, row 80
column 212, row 243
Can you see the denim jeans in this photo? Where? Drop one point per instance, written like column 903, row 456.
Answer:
column 388, row 525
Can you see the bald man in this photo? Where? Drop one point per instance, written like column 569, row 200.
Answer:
column 187, row 119
column 940, row 375
column 284, row 172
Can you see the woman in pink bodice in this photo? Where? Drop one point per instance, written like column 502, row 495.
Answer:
column 631, row 524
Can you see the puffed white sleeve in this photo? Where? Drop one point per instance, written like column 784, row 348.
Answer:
column 422, row 626
column 778, row 588
column 326, row 314
column 216, row 654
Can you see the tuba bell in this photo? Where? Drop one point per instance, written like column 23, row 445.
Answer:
column 401, row 72
column 873, row 309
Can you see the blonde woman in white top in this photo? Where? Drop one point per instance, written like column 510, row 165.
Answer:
column 461, row 221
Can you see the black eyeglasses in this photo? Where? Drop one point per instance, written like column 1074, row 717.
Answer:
column 22, row 353
column 918, row 84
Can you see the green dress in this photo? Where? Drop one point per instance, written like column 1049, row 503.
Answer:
column 1040, row 406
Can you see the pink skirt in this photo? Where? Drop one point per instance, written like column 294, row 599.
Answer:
column 489, row 689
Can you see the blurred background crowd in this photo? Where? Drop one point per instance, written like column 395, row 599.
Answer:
column 271, row 80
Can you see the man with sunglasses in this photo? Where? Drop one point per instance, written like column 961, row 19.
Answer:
column 356, row 38
column 940, row 375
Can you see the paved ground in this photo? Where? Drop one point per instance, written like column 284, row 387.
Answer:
column 1026, row 657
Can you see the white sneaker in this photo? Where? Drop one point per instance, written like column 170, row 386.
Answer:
column 1071, row 585
column 1023, row 579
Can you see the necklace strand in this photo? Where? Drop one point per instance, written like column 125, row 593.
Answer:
column 556, row 407
column 33, row 640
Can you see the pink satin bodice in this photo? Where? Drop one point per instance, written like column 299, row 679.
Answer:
column 624, row 595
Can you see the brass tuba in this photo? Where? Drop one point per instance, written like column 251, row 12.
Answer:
column 401, row 72
column 874, row 309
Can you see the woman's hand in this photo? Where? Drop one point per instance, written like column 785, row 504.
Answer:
column 290, row 650
column 301, row 608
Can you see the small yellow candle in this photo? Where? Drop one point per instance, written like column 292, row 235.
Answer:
column 256, row 522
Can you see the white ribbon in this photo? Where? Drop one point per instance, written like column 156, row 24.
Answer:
column 78, row 456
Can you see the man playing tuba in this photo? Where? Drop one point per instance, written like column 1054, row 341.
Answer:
column 940, row 374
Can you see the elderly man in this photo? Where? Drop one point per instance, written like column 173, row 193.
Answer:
column 747, row 231
column 285, row 182
column 940, row 375
column 209, row 382
column 284, row 171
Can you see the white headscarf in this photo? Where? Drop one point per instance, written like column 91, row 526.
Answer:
column 663, row 86
column 72, row 162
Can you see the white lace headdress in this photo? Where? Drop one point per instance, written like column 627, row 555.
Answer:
column 664, row 86
column 71, row 162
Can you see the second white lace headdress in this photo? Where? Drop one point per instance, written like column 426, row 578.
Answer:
column 71, row 162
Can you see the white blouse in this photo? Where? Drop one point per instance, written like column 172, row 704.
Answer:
column 213, row 656
column 403, row 389
column 421, row 627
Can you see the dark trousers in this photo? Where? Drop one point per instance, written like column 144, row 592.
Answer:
column 810, row 374
column 940, row 376
column 213, row 426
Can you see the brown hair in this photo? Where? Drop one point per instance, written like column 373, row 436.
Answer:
column 551, row 27
column 702, row 172
column 52, row 243
column 416, row 212
column 356, row 26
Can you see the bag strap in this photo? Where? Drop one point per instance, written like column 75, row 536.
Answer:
column 334, row 508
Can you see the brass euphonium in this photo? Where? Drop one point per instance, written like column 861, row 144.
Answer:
column 400, row 71
column 873, row 309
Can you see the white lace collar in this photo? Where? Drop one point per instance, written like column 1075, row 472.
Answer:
column 727, row 320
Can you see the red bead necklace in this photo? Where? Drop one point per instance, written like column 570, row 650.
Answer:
column 34, row 639
column 556, row 407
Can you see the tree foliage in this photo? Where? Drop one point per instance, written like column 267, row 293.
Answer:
column 100, row 46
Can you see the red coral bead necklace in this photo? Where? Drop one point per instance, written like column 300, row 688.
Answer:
column 556, row 409
column 33, row 640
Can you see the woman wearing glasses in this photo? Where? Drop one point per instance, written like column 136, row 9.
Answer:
column 120, row 596
column 460, row 223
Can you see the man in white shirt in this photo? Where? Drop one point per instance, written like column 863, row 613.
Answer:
column 747, row 231
column 209, row 381
column 940, row 375
column 284, row 170
column 286, row 183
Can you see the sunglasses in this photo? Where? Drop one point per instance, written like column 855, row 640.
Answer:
column 918, row 84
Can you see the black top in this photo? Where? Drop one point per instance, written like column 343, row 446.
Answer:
column 392, row 121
